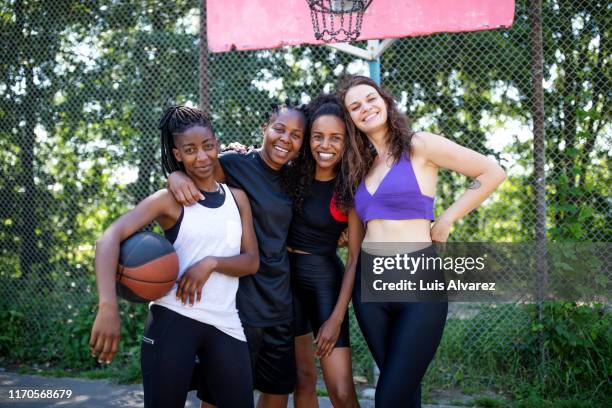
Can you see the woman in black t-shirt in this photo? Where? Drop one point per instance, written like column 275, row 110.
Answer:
column 320, row 294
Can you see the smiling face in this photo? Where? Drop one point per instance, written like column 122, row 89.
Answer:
column 367, row 108
column 327, row 140
column 283, row 137
column 197, row 149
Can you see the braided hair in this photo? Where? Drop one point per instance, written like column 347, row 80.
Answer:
column 176, row 120
column 301, row 171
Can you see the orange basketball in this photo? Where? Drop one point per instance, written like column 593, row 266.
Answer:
column 148, row 267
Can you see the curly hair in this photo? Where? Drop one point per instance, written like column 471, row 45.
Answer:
column 174, row 121
column 300, row 172
column 359, row 151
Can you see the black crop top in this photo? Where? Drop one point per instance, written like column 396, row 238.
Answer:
column 317, row 228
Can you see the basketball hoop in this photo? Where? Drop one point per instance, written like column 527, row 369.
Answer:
column 337, row 20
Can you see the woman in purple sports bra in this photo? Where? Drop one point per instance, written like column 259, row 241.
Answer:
column 392, row 174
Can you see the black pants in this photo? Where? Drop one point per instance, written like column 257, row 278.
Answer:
column 168, row 349
column 403, row 338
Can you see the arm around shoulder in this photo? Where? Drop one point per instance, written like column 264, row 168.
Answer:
column 183, row 188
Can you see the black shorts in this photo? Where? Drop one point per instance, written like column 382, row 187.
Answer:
column 316, row 281
column 272, row 353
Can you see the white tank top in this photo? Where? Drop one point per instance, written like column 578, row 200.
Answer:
column 209, row 232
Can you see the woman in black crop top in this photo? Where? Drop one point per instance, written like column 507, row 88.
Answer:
column 320, row 294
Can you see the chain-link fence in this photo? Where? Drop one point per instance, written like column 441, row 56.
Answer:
column 84, row 84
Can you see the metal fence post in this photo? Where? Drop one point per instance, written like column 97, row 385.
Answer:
column 204, row 97
column 539, row 154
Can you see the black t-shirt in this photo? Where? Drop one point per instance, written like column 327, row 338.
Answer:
column 317, row 228
column 263, row 299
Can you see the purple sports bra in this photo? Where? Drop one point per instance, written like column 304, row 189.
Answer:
column 398, row 196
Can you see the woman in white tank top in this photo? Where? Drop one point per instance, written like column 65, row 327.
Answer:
column 216, row 244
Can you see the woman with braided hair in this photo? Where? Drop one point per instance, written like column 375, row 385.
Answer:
column 264, row 300
column 216, row 245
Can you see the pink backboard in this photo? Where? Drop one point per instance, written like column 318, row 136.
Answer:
column 263, row 24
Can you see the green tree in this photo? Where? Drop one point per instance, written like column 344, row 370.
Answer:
column 32, row 35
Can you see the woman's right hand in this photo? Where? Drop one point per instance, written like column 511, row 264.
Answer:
column 183, row 189
column 105, row 333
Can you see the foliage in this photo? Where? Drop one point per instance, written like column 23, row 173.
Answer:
column 578, row 347
column 62, row 341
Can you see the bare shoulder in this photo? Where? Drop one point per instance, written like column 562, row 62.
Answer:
column 161, row 196
column 165, row 199
column 422, row 143
column 421, row 140
column 164, row 196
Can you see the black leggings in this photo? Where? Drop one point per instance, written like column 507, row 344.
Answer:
column 168, row 349
column 403, row 338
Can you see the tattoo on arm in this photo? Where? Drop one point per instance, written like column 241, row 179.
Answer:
column 474, row 185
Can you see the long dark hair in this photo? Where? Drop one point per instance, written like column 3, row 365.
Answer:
column 300, row 173
column 176, row 120
column 359, row 151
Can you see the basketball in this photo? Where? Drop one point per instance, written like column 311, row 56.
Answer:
column 148, row 267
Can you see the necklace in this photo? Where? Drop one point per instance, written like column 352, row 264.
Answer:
column 217, row 189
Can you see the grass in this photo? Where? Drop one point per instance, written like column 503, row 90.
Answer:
column 488, row 354
column 489, row 402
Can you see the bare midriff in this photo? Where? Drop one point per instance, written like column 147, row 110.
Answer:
column 379, row 230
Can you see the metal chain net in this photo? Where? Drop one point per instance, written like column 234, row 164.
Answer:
column 83, row 85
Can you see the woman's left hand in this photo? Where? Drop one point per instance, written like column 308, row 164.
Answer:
column 327, row 337
column 441, row 230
